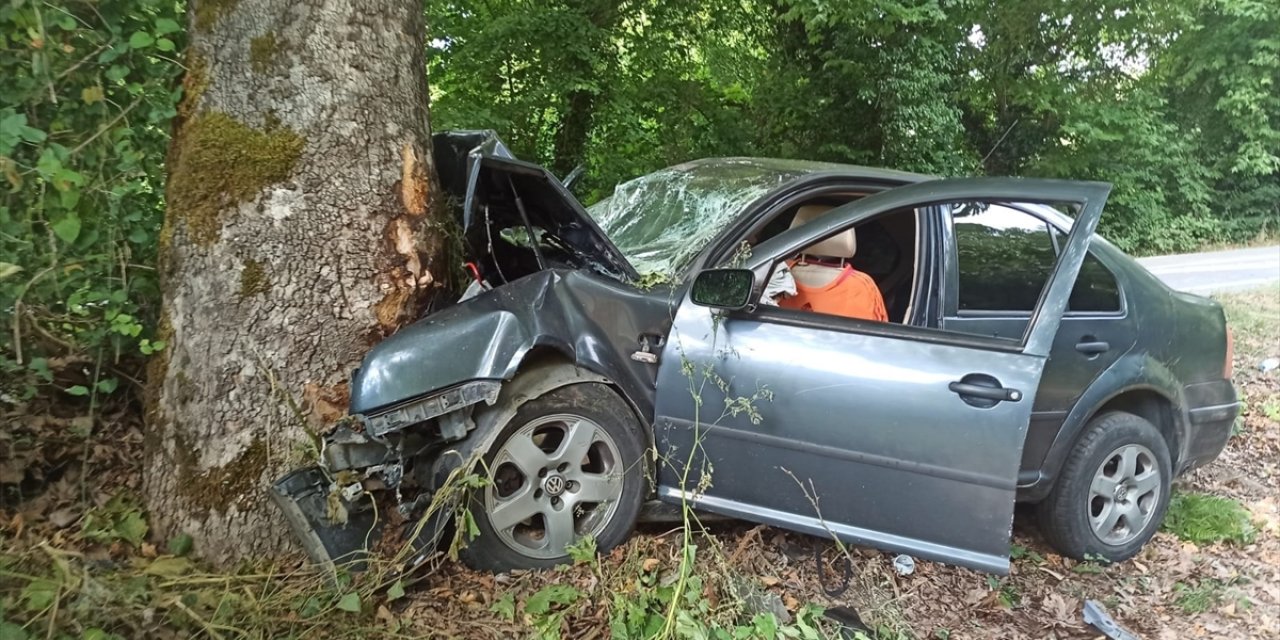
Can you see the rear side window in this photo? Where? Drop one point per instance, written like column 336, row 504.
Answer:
column 1005, row 257
column 1096, row 289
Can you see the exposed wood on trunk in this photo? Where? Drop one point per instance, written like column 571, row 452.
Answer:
column 301, row 233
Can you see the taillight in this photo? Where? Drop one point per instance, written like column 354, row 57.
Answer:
column 1227, row 367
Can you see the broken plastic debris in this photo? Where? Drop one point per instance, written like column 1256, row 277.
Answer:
column 1098, row 618
column 904, row 565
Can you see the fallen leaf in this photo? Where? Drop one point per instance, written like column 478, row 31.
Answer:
column 384, row 614
column 1055, row 574
column 791, row 603
column 168, row 567
column 63, row 518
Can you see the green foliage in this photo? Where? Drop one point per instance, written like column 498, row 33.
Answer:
column 181, row 544
column 654, row 601
column 1175, row 103
column 546, row 609
column 583, row 551
column 1019, row 552
column 1007, row 593
column 120, row 519
column 505, row 607
column 349, row 602
column 1206, row 519
column 85, row 110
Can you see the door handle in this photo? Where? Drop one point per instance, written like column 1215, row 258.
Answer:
column 1092, row 347
column 997, row 394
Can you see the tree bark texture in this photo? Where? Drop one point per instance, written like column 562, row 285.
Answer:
column 300, row 231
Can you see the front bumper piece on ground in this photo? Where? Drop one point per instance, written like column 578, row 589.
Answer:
column 303, row 496
column 331, row 507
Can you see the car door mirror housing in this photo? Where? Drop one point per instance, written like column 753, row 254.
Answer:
column 728, row 289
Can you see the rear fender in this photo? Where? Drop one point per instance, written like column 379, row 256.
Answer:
column 1134, row 372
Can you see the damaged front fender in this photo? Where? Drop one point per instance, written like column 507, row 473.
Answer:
column 430, row 400
column 595, row 322
column 331, row 508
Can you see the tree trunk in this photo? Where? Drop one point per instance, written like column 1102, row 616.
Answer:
column 300, row 231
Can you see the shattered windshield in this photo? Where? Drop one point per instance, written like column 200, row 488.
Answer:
column 662, row 220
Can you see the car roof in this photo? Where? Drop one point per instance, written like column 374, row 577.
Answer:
column 807, row 167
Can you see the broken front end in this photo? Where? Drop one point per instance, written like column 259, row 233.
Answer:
column 541, row 266
column 384, row 480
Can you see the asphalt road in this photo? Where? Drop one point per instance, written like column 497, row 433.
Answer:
column 1218, row 271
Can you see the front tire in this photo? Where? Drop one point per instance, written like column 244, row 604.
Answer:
column 1113, row 492
column 568, row 465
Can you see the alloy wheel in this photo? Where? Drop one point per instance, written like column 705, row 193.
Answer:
column 554, row 480
column 1124, row 494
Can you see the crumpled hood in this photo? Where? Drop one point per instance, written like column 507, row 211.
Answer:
column 478, row 170
column 593, row 320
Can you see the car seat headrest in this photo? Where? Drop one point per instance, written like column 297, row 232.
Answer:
column 843, row 245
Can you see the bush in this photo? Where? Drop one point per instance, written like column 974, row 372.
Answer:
column 88, row 94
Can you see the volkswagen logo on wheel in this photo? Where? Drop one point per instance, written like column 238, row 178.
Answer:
column 554, row 485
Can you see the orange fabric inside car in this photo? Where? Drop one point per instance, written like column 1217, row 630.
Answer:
column 852, row 294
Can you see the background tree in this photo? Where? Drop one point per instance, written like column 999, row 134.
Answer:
column 299, row 231
column 1173, row 102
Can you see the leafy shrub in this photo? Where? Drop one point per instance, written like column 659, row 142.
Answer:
column 85, row 107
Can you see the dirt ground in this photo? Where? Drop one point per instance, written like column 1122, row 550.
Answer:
column 1173, row 589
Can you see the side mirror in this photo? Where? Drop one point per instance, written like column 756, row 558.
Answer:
column 728, row 289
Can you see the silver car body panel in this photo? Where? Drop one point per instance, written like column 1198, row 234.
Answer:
column 823, row 424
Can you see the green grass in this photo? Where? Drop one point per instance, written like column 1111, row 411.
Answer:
column 1252, row 318
column 1206, row 519
column 1200, row 597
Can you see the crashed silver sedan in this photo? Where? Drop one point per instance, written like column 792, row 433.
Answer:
column 883, row 357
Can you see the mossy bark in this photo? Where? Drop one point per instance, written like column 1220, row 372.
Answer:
column 299, row 231
column 262, row 51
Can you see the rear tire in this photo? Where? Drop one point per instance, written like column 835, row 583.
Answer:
column 569, row 464
column 1113, row 491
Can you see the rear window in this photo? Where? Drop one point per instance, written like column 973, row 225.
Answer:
column 1005, row 257
column 1096, row 289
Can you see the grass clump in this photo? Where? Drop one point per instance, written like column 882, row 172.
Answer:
column 1207, row 594
column 1252, row 318
column 1206, row 519
column 1198, row 598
